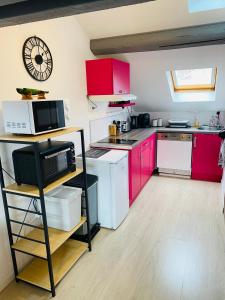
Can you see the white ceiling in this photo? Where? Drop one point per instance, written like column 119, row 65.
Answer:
column 150, row 16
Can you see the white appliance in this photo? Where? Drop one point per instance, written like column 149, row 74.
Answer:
column 111, row 167
column 174, row 153
column 33, row 116
column 178, row 123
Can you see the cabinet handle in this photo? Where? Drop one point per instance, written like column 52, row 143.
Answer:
column 195, row 141
column 146, row 144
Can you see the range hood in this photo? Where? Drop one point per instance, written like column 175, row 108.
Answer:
column 113, row 98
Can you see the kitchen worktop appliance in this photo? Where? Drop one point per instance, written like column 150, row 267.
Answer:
column 178, row 124
column 125, row 126
column 57, row 158
column 134, row 122
column 117, row 141
column 33, row 116
column 144, row 120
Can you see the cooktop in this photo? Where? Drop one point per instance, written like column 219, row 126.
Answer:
column 94, row 153
column 118, row 141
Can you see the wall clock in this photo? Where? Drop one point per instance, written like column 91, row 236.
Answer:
column 37, row 58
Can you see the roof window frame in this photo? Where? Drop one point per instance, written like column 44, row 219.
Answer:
column 197, row 87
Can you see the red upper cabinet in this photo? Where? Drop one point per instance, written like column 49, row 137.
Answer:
column 107, row 76
column 121, row 77
column 205, row 155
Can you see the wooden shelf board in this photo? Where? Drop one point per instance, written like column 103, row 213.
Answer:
column 31, row 190
column 56, row 239
column 63, row 259
column 37, row 138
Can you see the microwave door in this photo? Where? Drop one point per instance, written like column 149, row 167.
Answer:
column 57, row 114
column 48, row 115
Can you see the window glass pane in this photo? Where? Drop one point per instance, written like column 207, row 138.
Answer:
column 204, row 5
column 194, row 77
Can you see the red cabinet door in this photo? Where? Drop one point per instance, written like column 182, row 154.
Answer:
column 121, row 77
column 99, row 77
column 153, row 153
column 145, row 161
column 134, row 173
column 107, row 76
column 205, row 156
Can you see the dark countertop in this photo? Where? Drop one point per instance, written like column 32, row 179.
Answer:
column 143, row 133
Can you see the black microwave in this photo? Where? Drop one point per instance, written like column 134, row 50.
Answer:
column 57, row 158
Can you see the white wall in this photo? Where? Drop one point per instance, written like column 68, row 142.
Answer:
column 69, row 46
column 149, row 81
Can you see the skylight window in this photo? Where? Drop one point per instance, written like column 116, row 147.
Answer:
column 194, row 79
column 192, row 85
column 204, row 5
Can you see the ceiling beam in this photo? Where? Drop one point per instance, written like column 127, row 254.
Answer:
column 37, row 10
column 195, row 36
column 6, row 2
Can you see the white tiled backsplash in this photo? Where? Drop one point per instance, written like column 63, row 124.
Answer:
column 203, row 117
column 99, row 127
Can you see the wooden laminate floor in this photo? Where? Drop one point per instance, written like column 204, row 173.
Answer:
column 170, row 247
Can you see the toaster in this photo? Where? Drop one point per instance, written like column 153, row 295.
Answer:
column 125, row 126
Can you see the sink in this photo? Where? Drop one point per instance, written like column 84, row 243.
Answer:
column 208, row 128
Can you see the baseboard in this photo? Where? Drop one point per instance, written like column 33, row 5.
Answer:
column 175, row 175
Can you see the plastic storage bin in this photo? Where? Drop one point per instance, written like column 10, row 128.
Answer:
column 92, row 189
column 63, row 207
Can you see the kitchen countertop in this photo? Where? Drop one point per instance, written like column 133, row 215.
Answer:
column 143, row 133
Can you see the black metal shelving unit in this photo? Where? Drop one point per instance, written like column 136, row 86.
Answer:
column 54, row 251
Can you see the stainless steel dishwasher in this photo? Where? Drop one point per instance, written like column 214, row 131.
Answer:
column 174, row 153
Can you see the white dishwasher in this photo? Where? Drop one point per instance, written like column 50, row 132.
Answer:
column 174, row 153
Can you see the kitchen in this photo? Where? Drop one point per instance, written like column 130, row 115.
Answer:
column 173, row 232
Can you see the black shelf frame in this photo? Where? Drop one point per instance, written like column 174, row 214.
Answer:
column 42, row 213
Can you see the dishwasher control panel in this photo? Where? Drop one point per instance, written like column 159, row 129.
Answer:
column 174, row 136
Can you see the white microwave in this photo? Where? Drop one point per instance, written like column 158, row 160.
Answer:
column 33, row 116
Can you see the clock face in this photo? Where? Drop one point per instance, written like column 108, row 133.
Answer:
column 37, row 58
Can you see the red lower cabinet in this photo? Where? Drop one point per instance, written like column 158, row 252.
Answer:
column 141, row 166
column 134, row 173
column 205, row 155
column 153, row 153
column 145, row 161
